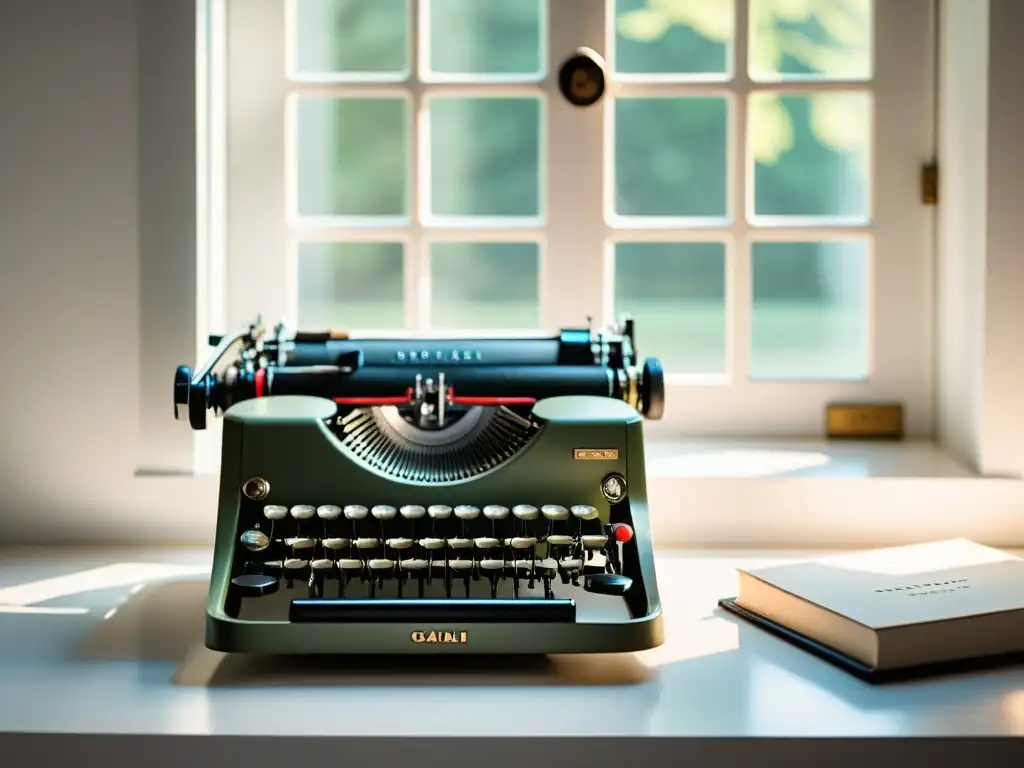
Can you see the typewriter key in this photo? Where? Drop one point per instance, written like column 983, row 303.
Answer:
column 384, row 512
column 432, row 543
column 494, row 512
column 439, row 511
column 486, row 542
column 559, row 540
column 275, row 512
column 525, row 512
column 255, row 585
column 328, row 512
column 335, row 543
column 255, row 541
column 412, row 512
column 355, row 512
column 400, row 543
column 303, row 511
column 584, row 512
column 594, row 541
column 467, row 512
column 554, row 512
column 300, row 542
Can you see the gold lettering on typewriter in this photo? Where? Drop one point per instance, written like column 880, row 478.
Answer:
column 439, row 637
column 595, row 454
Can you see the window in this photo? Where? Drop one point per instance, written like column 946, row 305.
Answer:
column 748, row 187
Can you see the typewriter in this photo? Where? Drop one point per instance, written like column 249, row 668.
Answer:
column 400, row 496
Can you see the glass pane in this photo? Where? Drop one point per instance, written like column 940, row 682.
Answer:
column 368, row 37
column 486, row 37
column 485, row 285
column 485, row 156
column 670, row 157
column 812, row 154
column 350, row 285
column 810, row 311
column 811, row 39
column 353, row 156
column 685, row 37
column 676, row 294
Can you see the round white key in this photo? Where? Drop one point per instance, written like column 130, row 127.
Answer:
column 467, row 512
column 432, row 543
column 384, row 512
column 336, row 543
column 303, row 511
column 350, row 564
column 494, row 512
column 460, row 543
column 294, row 564
column 559, row 540
column 460, row 565
column 412, row 512
column 399, row 543
column 321, row 565
column 584, row 512
column 554, row 512
column 275, row 512
column 492, row 565
column 413, row 564
column 439, row 511
column 594, row 541
column 523, row 542
column 525, row 511
column 571, row 564
column 301, row 543
column 486, row 543
column 529, row 564
column 365, row 543
column 381, row 564
column 356, row 512
column 328, row 512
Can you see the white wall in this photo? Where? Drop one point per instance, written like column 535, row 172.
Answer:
column 981, row 231
column 75, row 154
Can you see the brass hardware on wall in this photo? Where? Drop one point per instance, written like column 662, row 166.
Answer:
column 930, row 184
column 864, row 421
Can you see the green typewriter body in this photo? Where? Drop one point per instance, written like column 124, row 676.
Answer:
column 343, row 529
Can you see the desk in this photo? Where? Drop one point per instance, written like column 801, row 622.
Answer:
column 116, row 650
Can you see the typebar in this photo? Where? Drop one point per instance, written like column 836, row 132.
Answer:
column 370, row 610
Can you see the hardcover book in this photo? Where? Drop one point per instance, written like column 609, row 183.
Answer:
column 898, row 607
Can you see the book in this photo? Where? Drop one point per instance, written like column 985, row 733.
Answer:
column 893, row 608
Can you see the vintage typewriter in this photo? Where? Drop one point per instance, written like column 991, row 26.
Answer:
column 383, row 495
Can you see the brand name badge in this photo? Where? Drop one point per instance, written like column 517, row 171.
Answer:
column 595, row 454
column 439, row 637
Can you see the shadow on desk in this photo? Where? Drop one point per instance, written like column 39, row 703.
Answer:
column 165, row 622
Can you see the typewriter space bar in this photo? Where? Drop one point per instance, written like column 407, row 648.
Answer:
column 417, row 611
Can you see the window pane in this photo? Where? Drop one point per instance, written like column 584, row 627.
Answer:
column 810, row 311
column 485, row 285
column 676, row 294
column 369, row 37
column 812, row 154
column 811, row 39
column 690, row 38
column 485, row 157
column 670, row 157
column 486, row 37
column 350, row 285
column 353, row 156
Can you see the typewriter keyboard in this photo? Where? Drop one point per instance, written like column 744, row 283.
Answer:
column 354, row 553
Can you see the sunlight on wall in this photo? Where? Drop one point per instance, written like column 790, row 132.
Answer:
column 736, row 463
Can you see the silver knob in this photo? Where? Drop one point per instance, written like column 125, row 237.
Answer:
column 256, row 488
column 254, row 541
column 614, row 488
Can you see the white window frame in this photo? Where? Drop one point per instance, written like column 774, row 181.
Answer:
column 575, row 237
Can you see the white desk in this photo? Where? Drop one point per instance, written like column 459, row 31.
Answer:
column 119, row 651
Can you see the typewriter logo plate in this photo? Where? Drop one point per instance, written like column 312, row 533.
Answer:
column 595, row 454
column 439, row 637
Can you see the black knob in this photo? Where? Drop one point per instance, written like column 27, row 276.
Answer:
column 581, row 78
column 652, row 390
column 607, row 584
column 254, row 585
column 182, row 379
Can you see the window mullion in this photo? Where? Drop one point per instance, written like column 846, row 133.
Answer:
column 739, row 284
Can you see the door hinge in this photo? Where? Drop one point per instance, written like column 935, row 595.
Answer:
column 930, row 184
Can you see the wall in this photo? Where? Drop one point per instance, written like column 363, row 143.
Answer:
column 71, row 139
column 981, row 272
